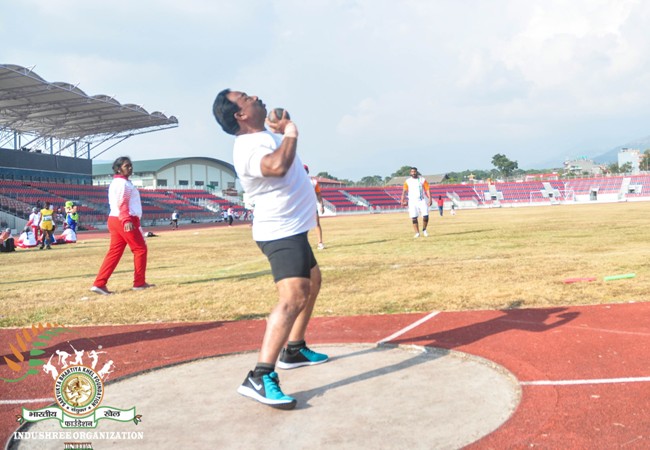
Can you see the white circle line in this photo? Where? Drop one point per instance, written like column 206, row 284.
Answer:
column 579, row 382
column 409, row 328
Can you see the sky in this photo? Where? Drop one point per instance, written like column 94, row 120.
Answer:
column 372, row 85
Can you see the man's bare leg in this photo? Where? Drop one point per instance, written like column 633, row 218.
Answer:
column 319, row 233
column 293, row 298
column 300, row 325
column 297, row 353
column 415, row 226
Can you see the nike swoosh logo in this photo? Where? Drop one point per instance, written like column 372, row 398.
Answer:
column 255, row 385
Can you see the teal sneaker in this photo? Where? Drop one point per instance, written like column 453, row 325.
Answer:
column 303, row 357
column 266, row 389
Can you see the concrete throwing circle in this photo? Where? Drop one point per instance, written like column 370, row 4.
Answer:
column 364, row 397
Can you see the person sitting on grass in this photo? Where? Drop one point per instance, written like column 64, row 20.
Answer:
column 27, row 238
column 67, row 237
column 7, row 243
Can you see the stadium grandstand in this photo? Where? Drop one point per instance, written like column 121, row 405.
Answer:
column 354, row 200
column 50, row 133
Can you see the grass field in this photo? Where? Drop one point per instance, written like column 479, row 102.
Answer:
column 479, row 259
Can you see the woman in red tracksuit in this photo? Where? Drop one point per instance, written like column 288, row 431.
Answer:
column 124, row 226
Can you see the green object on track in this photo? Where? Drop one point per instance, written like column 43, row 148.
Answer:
column 619, row 277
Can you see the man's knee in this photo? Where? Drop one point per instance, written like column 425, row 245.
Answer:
column 294, row 292
column 415, row 220
column 315, row 278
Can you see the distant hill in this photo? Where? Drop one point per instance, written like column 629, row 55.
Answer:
column 611, row 156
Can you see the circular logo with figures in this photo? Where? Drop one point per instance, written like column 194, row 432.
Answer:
column 78, row 390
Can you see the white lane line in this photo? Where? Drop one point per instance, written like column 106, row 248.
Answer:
column 409, row 328
column 578, row 382
column 29, row 400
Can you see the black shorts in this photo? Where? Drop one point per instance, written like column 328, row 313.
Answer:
column 289, row 257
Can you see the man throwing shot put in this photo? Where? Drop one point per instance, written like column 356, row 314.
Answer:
column 416, row 189
column 274, row 179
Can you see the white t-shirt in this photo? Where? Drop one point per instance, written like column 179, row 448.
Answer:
column 68, row 235
column 35, row 218
column 284, row 206
column 416, row 188
column 27, row 239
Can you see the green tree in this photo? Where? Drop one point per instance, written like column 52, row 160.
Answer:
column 504, row 165
column 467, row 176
column 644, row 164
column 326, row 175
column 403, row 171
column 625, row 168
column 374, row 180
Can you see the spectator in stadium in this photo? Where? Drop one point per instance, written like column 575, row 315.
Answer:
column 124, row 227
column 59, row 218
column 174, row 221
column 416, row 190
column 319, row 199
column 7, row 243
column 34, row 221
column 47, row 226
column 441, row 204
column 272, row 174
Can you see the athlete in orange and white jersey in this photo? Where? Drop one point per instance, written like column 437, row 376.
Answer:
column 319, row 197
column 416, row 189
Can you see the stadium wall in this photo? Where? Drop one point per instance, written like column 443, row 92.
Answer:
column 10, row 221
column 31, row 166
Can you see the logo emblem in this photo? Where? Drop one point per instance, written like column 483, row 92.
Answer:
column 78, row 390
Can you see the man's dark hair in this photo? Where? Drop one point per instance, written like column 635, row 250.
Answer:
column 414, row 168
column 224, row 111
column 118, row 163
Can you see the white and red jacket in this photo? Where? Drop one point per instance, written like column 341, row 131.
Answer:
column 124, row 199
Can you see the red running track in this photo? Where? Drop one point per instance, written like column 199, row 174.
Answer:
column 584, row 371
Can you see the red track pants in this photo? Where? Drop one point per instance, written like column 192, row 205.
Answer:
column 37, row 231
column 119, row 240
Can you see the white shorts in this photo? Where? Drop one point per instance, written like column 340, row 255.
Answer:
column 418, row 208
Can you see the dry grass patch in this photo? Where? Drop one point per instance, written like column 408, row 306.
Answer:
column 480, row 259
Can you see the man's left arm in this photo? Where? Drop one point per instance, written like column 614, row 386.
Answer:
column 427, row 192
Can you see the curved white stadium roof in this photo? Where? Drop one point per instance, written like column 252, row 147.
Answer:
column 30, row 104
